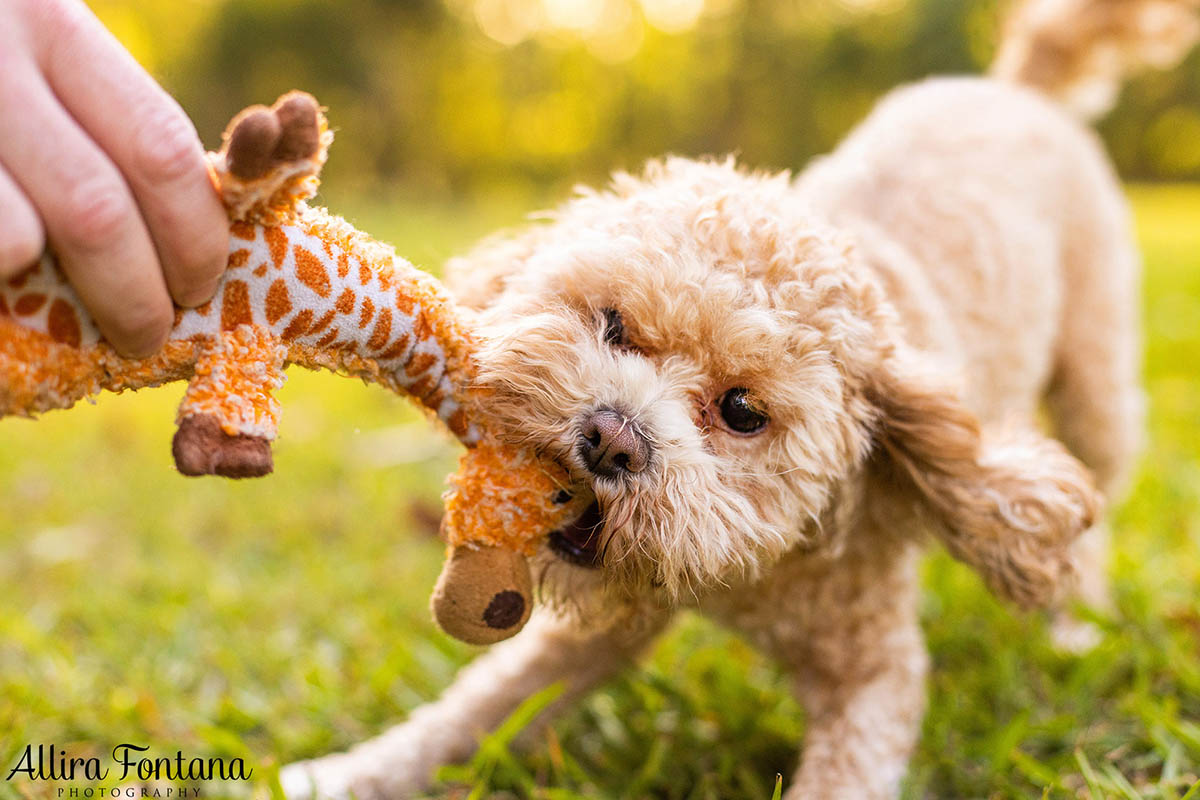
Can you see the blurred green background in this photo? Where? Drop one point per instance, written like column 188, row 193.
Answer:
column 285, row 617
column 457, row 97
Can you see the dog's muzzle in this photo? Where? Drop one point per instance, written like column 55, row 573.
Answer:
column 579, row 542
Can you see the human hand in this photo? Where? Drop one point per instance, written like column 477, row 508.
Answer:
column 97, row 159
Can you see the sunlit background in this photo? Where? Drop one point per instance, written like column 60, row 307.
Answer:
column 514, row 96
column 286, row 617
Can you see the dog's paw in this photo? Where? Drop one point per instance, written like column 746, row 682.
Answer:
column 343, row 777
column 320, row 779
column 1073, row 636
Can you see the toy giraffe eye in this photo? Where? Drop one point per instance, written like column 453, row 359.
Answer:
column 741, row 413
column 614, row 328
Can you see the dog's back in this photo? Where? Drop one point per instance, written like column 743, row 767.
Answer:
column 997, row 227
column 996, row 223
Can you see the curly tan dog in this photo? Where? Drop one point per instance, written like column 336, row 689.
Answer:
column 771, row 388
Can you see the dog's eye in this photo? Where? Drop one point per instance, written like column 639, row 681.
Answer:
column 614, row 328
column 741, row 413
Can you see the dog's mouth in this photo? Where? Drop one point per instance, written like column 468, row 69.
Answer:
column 579, row 541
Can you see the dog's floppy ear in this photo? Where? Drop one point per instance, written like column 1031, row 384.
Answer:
column 1007, row 502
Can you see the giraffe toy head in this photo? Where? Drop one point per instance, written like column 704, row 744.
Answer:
column 303, row 287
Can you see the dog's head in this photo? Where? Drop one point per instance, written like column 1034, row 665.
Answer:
column 725, row 383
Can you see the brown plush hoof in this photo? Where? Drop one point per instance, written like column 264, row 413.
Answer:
column 484, row 595
column 262, row 138
column 202, row 448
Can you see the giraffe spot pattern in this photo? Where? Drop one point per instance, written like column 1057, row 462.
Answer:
column 421, row 328
column 376, row 315
column 423, row 387
column 298, row 326
column 238, row 258
column 436, row 396
column 277, row 245
column 323, row 322
column 235, row 306
column 382, row 332
column 311, row 272
column 29, row 304
column 419, row 363
column 328, row 339
column 279, row 304
column 458, row 423
column 62, row 323
column 398, row 349
column 243, row 230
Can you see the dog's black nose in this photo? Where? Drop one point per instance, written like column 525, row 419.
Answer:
column 611, row 444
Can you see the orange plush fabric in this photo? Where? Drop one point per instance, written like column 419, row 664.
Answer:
column 302, row 287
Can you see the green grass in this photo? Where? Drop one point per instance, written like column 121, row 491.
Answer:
column 286, row 617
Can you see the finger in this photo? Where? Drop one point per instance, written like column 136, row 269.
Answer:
column 152, row 142
column 88, row 212
column 21, row 236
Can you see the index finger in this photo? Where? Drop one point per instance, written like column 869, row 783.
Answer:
column 150, row 140
column 88, row 214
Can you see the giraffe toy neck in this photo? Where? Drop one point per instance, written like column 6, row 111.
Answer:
column 330, row 295
column 342, row 301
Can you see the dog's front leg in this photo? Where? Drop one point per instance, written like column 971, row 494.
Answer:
column 859, row 662
column 402, row 761
column 861, row 732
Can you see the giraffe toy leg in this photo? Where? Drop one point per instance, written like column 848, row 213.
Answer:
column 228, row 416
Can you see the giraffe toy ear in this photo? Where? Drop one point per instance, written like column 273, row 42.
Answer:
column 270, row 159
column 262, row 139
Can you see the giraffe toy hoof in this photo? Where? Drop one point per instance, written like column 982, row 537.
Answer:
column 200, row 447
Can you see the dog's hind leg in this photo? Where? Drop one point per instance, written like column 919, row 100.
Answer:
column 401, row 762
column 1095, row 400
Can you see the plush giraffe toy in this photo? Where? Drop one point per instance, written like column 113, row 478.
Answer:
column 303, row 287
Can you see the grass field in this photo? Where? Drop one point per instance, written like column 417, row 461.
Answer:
column 286, row 617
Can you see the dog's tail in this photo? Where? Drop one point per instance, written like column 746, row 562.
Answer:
column 1078, row 51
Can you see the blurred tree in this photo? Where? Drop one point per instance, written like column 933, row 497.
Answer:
column 456, row 96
